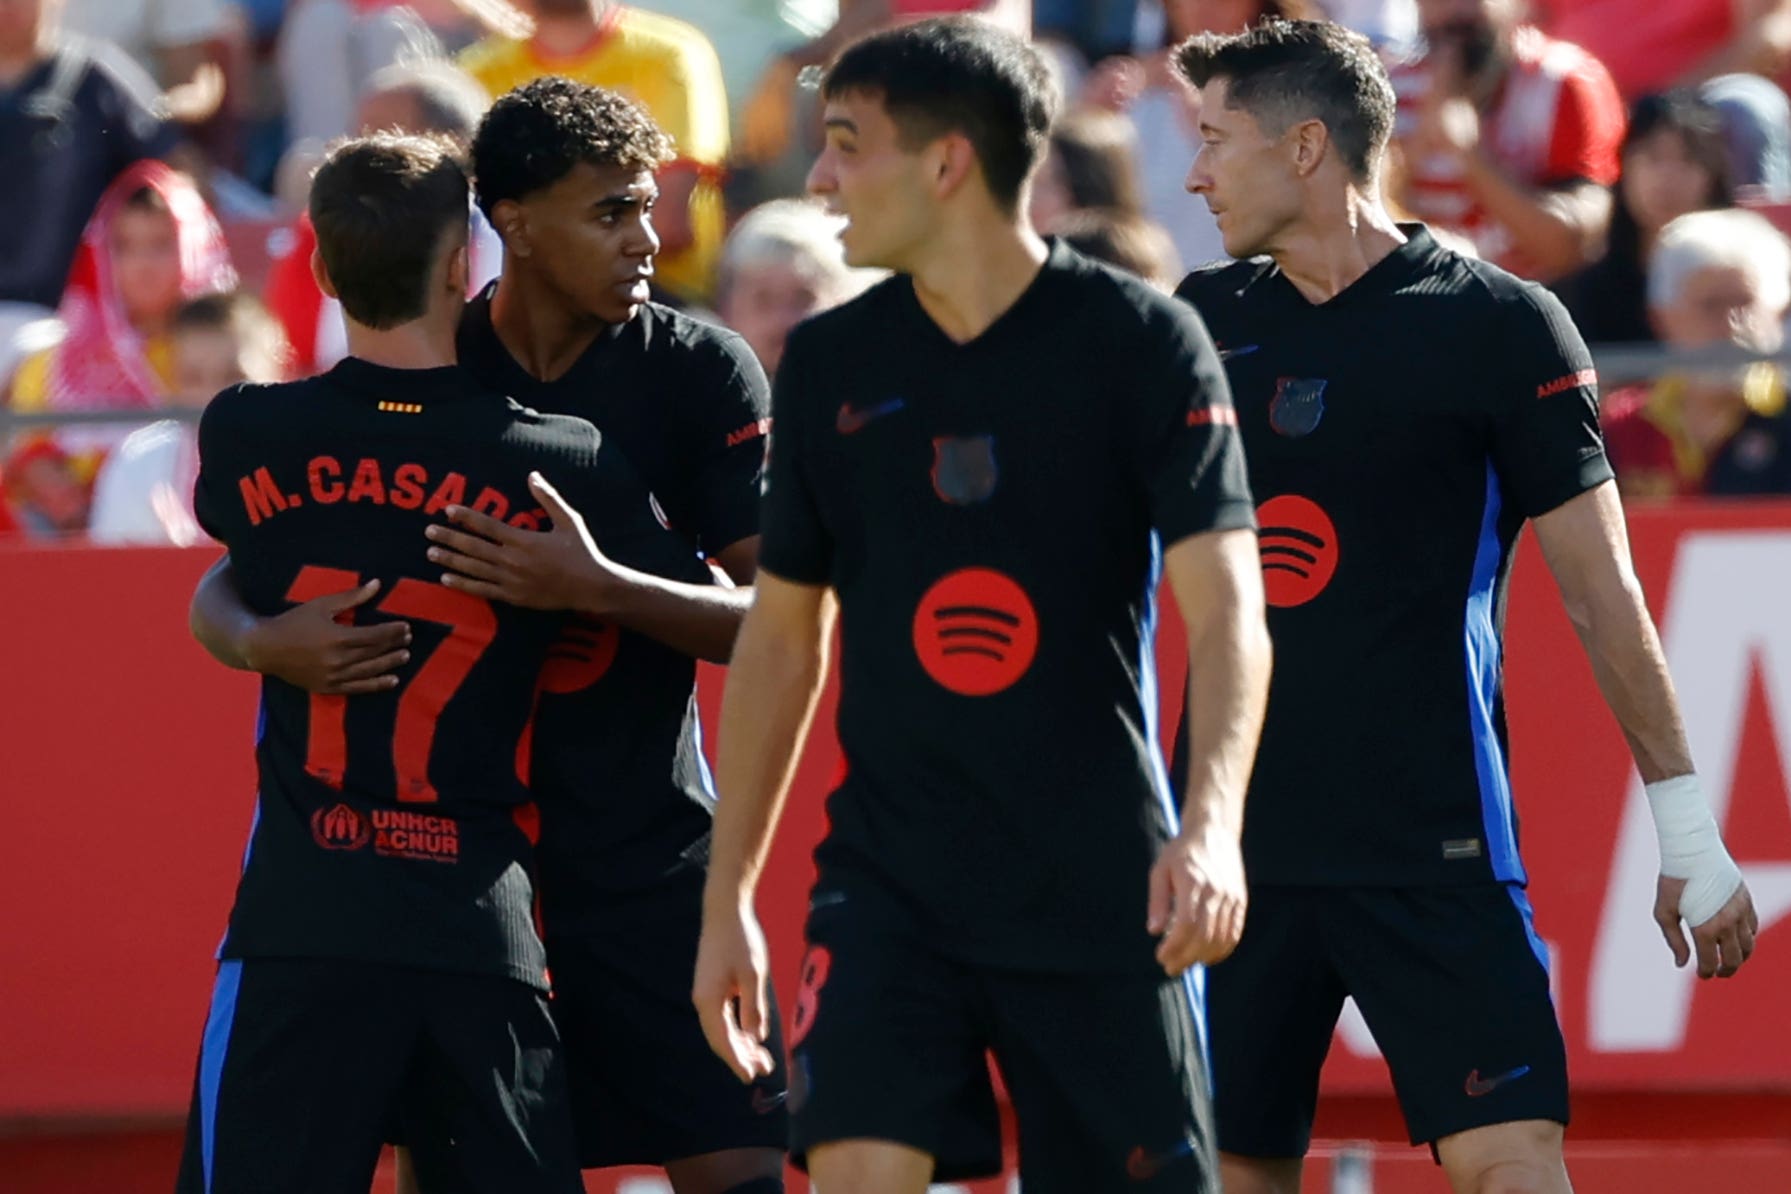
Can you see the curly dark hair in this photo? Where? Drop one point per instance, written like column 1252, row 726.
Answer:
column 535, row 135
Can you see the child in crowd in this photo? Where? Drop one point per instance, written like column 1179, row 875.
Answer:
column 144, row 493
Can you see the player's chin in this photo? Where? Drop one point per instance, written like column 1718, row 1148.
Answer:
column 616, row 308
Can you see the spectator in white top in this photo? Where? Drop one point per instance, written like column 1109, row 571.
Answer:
column 181, row 44
column 144, row 493
column 329, row 52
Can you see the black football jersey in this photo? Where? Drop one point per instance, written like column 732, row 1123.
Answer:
column 1398, row 437
column 992, row 515
column 393, row 827
column 626, row 795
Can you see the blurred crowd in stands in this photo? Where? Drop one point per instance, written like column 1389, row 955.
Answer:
column 1633, row 154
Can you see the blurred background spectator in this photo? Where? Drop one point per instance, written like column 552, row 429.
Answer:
column 152, row 244
column 1509, row 137
column 1757, row 125
column 1674, row 161
column 1716, row 278
column 186, row 46
column 328, row 51
column 73, row 115
column 1091, row 162
column 782, row 263
column 144, row 492
column 1126, row 242
column 1661, row 44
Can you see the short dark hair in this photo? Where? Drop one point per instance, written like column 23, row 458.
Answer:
column 1283, row 72
column 381, row 205
column 534, row 136
column 958, row 75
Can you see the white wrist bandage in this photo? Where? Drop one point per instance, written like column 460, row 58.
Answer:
column 1691, row 848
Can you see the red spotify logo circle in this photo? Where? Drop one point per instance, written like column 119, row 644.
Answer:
column 976, row 632
column 581, row 657
column 1299, row 549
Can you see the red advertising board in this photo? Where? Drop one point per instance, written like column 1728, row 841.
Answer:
column 126, row 785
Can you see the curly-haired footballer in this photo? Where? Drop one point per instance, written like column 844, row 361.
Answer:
column 565, row 174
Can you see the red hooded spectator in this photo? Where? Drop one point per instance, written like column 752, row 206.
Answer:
column 151, row 245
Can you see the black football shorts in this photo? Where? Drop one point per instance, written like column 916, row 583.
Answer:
column 307, row 1065
column 892, row 1040
column 1452, row 981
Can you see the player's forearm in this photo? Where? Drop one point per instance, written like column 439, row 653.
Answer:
column 219, row 617
column 1631, row 670
column 1557, row 231
column 766, row 709
column 1228, row 686
column 701, row 621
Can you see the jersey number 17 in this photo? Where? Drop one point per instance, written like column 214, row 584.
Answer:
column 471, row 626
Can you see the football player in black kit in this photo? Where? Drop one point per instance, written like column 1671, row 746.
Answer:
column 565, row 174
column 983, row 462
column 381, row 962
column 1405, row 412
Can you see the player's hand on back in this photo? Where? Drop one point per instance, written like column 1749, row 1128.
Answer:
column 1721, row 943
column 729, row 991
column 315, row 647
column 561, row 568
column 1197, row 897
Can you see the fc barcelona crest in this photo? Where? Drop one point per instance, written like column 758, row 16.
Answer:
column 964, row 470
column 1298, row 405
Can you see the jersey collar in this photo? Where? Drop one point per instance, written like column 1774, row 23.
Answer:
column 379, row 382
column 1384, row 276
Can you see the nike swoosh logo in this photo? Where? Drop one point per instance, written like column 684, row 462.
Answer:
column 1225, row 354
column 851, row 422
column 1476, row 1086
column 1142, row 1166
column 826, row 899
column 764, row 1102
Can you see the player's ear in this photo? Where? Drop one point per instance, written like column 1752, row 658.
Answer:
column 460, row 270
column 952, row 164
column 512, row 224
column 321, row 273
column 1311, row 142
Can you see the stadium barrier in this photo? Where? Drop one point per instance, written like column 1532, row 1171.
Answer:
column 127, row 778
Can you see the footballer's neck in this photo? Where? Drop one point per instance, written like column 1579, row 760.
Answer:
column 1336, row 240
column 974, row 268
column 426, row 343
column 539, row 329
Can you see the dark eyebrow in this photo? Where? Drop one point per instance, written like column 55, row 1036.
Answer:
column 626, row 199
column 844, row 124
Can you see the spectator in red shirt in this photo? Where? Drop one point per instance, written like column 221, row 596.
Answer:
column 1717, row 277
column 1509, row 138
column 1674, row 162
column 1653, row 45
